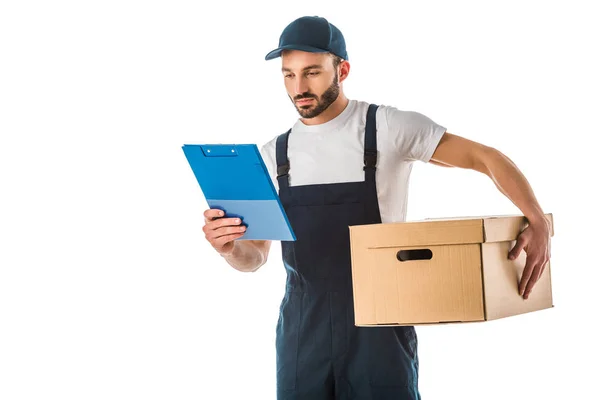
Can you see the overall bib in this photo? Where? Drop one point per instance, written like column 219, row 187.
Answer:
column 321, row 354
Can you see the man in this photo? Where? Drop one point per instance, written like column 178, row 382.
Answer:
column 346, row 162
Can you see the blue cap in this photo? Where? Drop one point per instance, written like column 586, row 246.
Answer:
column 312, row 34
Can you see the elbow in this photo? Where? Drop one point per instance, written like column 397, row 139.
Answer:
column 263, row 261
column 260, row 261
column 262, row 254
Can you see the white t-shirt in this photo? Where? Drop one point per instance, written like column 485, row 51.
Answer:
column 333, row 152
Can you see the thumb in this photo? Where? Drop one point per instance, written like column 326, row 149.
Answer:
column 516, row 250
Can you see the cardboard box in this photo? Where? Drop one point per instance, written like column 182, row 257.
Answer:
column 441, row 271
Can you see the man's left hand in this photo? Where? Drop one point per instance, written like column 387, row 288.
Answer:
column 535, row 240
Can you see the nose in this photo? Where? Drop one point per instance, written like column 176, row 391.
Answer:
column 300, row 86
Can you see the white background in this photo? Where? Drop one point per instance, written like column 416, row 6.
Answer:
column 108, row 289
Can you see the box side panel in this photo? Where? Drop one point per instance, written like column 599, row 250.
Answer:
column 501, row 278
column 447, row 287
column 362, row 284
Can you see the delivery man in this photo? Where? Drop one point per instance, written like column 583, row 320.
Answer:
column 347, row 162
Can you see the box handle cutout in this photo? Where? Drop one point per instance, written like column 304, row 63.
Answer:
column 416, row 254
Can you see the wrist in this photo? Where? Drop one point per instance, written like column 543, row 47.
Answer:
column 227, row 254
column 539, row 219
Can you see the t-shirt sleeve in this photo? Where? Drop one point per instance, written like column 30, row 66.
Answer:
column 267, row 152
column 414, row 136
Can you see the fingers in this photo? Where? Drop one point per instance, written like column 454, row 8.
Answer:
column 222, row 223
column 535, row 277
column 519, row 246
column 212, row 214
column 220, row 231
column 212, row 234
column 543, row 268
column 531, row 274
column 214, row 217
column 538, row 254
column 221, row 241
column 527, row 272
column 222, row 227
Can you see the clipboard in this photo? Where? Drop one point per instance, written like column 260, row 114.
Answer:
column 235, row 179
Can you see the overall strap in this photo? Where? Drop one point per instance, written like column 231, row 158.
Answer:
column 283, row 163
column 370, row 165
column 370, row 158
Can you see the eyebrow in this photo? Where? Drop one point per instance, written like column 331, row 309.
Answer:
column 314, row 66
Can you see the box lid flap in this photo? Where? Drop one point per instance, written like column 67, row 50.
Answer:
column 418, row 233
column 442, row 231
column 506, row 228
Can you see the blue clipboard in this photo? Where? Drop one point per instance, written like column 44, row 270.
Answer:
column 234, row 178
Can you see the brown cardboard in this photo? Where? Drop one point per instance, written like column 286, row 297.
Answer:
column 467, row 278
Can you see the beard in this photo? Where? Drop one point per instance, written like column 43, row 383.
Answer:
column 324, row 101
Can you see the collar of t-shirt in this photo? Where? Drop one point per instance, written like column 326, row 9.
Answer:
column 328, row 126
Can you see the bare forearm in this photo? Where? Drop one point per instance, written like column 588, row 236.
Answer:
column 512, row 183
column 245, row 257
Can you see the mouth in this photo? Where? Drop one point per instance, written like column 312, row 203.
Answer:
column 304, row 102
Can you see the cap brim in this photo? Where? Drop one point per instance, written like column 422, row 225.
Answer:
column 277, row 52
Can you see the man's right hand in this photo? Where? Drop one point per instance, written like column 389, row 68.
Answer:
column 221, row 232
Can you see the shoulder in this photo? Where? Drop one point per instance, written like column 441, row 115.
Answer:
column 392, row 116
column 398, row 118
column 269, row 146
column 267, row 150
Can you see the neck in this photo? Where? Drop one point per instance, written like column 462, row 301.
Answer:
column 330, row 113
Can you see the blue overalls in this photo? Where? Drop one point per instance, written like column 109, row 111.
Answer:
column 321, row 354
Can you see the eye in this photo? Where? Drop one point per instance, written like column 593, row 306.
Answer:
column 313, row 73
column 288, row 75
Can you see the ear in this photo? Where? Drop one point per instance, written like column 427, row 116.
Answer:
column 344, row 69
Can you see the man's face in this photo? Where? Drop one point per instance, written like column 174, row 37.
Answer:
column 311, row 81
